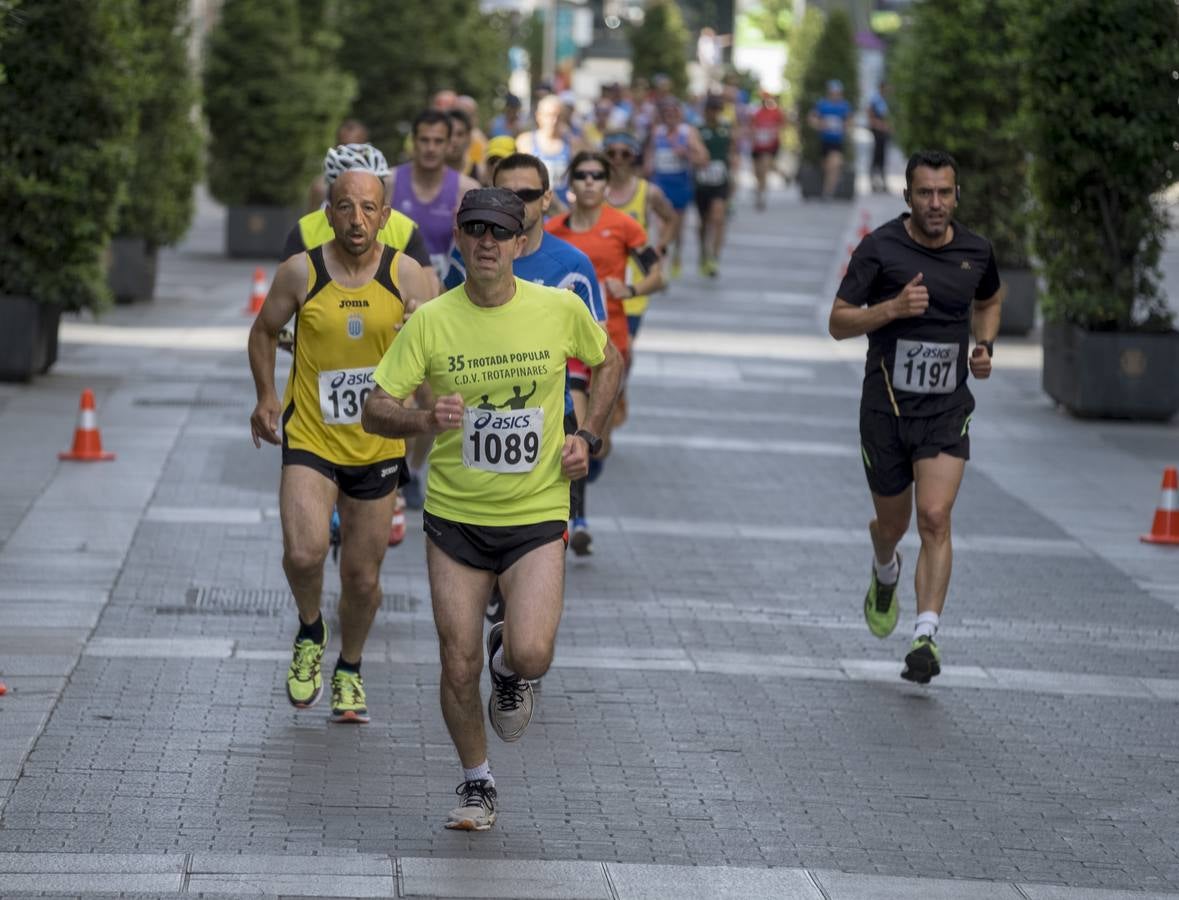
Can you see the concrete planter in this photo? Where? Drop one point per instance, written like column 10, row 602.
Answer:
column 132, row 269
column 810, row 181
column 28, row 340
column 1019, row 306
column 258, row 232
column 1112, row 374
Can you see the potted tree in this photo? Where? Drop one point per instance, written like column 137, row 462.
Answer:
column 834, row 57
column 1099, row 101
column 158, row 206
column 273, row 99
column 67, row 120
column 975, row 120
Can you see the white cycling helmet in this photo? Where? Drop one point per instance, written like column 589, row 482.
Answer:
column 364, row 157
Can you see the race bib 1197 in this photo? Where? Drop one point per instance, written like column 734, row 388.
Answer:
column 506, row 442
column 923, row 367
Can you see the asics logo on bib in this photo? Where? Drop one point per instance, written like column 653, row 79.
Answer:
column 940, row 352
column 353, row 304
column 364, row 377
column 500, row 423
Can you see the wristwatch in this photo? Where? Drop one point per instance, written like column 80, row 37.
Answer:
column 990, row 345
column 592, row 440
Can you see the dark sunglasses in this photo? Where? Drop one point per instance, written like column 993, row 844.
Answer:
column 588, row 176
column 478, row 229
column 529, row 195
column 620, row 154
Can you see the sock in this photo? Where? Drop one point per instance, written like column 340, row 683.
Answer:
column 889, row 573
column 481, row 772
column 499, row 666
column 312, row 632
column 927, row 623
column 343, row 665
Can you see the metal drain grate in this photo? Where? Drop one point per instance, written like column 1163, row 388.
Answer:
column 271, row 602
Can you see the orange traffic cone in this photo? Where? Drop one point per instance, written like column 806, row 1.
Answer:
column 3, row 689
column 257, row 294
column 397, row 527
column 87, row 441
column 865, row 228
column 1165, row 529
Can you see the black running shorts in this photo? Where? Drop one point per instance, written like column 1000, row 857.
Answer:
column 707, row 193
column 358, row 482
column 494, row 548
column 890, row 444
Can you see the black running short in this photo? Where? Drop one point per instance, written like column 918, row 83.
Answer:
column 494, row 548
column 889, row 445
column 358, row 482
column 706, row 193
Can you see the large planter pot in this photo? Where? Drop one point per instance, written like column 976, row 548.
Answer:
column 28, row 340
column 1019, row 306
column 1112, row 374
column 132, row 269
column 258, row 231
column 810, row 181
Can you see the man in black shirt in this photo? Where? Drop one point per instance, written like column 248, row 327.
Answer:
column 918, row 286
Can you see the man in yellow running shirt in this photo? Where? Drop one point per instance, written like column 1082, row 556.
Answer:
column 494, row 351
column 349, row 297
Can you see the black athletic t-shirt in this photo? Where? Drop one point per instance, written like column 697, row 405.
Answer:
column 928, row 375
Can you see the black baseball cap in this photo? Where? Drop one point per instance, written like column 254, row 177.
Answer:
column 498, row 206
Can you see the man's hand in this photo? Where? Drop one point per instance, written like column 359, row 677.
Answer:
column 913, row 299
column 617, row 288
column 574, row 458
column 264, row 422
column 447, row 414
column 980, row 362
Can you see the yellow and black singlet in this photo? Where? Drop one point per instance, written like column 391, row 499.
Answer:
column 636, row 208
column 340, row 336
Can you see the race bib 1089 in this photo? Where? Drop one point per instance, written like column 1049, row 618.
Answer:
column 923, row 367
column 342, row 393
column 506, row 442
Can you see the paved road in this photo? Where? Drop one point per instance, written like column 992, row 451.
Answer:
column 718, row 721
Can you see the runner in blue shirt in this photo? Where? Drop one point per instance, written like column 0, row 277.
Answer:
column 830, row 117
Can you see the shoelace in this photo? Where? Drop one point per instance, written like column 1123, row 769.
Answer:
column 509, row 694
column 306, row 661
column 347, row 688
column 469, row 790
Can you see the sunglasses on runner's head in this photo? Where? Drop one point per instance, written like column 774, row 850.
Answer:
column 583, row 175
column 529, row 195
column 478, row 229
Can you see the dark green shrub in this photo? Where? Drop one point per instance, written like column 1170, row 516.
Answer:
column 800, row 48
column 434, row 48
column 273, row 98
column 67, row 121
column 834, row 56
column 660, row 45
column 158, row 206
column 954, row 78
column 1100, row 111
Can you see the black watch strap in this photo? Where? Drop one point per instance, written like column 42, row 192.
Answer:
column 990, row 345
column 592, row 440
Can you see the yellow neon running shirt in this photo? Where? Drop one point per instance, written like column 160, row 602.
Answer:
column 636, row 208
column 340, row 336
column 507, row 362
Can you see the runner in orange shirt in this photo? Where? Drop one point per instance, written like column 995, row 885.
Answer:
column 610, row 239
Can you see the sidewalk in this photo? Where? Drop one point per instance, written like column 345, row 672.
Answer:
column 718, row 721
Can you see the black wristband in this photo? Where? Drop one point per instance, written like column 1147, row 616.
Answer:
column 990, row 345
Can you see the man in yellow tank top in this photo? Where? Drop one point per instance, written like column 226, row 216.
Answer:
column 638, row 198
column 494, row 351
column 349, row 297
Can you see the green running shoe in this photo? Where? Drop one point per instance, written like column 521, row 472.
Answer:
column 304, row 683
column 923, row 661
column 348, row 703
column 880, row 604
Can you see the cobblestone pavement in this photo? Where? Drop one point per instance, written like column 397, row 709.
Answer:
column 718, row 721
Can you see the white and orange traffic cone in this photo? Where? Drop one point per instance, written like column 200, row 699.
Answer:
column 1165, row 528
column 87, row 440
column 257, row 293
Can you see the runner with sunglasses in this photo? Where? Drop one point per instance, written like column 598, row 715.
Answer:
column 547, row 260
column 629, row 193
column 610, row 239
column 494, row 350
